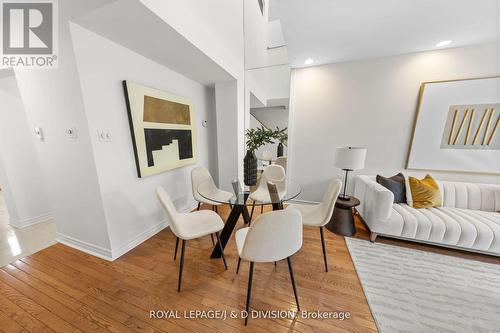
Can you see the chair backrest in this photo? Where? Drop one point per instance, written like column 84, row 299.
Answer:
column 281, row 161
column 273, row 192
column 273, row 236
column 237, row 187
column 274, row 174
column 169, row 208
column 329, row 198
column 200, row 175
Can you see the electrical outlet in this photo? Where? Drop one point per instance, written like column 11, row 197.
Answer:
column 104, row 136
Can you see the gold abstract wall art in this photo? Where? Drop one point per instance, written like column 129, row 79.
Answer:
column 162, row 128
column 472, row 127
column 457, row 127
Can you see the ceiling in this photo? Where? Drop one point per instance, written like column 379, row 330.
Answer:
column 342, row 30
column 134, row 26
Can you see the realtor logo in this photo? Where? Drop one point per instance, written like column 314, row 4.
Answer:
column 28, row 34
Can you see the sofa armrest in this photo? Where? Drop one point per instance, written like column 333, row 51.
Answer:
column 376, row 200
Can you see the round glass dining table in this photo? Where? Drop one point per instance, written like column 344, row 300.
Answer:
column 241, row 200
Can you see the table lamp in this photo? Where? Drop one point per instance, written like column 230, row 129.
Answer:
column 349, row 159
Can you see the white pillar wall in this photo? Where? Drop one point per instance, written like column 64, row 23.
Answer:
column 229, row 102
column 53, row 102
column 21, row 179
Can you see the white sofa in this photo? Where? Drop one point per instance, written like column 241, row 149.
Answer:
column 469, row 218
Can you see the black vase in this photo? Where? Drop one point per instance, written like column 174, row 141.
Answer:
column 250, row 168
column 280, row 150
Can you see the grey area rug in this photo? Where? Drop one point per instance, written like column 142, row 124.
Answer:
column 415, row 291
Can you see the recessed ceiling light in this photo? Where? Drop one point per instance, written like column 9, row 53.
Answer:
column 309, row 61
column 443, row 43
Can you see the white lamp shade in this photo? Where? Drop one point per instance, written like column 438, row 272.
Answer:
column 350, row 158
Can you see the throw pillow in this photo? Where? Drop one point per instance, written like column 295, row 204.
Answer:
column 425, row 192
column 395, row 184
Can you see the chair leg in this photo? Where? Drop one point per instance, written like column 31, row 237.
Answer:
column 324, row 247
column 275, row 264
column 176, row 247
column 249, row 290
column 238, row 267
column 253, row 207
column 216, row 209
column 183, row 247
column 199, row 204
column 213, row 208
column 261, row 209
column 293, row 282
column 212, row 236
column 221, row 250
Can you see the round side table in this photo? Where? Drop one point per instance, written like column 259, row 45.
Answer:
column 342, row 221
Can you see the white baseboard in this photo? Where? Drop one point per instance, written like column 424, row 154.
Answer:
column 29, row 221
column 145, row 235
column 117, row 252
column 91, row 249
column 137, row 240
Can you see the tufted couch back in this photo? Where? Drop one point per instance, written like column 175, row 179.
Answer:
column 484, row 197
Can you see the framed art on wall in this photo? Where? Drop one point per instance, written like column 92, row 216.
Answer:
column 162, row 129
column 457, row 127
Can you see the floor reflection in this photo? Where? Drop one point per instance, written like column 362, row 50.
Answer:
column 19, row 243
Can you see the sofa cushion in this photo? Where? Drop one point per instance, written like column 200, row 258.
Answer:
column 424, row 192
column 395, row 184
column 466, row 228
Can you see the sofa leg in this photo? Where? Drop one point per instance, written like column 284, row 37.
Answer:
column 373, row 237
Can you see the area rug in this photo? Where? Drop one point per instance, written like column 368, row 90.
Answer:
column 415, row 291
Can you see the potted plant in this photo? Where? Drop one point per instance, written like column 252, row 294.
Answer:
column 282, row 137
column 256, row 138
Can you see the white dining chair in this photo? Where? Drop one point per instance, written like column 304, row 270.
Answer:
column 272, row 237
column 202, row 175
column 281, row 161
column 275, row 174
column 320, row 214
column 187, row 226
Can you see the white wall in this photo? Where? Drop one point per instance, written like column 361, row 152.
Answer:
column 130, row 203
column 20, row 178
column 53, row 101
column 371, row 103
column 215, row 27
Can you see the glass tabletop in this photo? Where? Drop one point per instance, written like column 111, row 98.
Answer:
column 248, row 195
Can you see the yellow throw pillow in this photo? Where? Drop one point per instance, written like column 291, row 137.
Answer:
column 424, row 193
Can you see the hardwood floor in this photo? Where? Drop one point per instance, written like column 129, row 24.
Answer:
column 61, row 289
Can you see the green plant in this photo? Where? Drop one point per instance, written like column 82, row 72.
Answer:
column 257, row 137
column 281, row 135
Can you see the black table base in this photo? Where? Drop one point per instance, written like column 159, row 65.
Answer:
column 235, row 214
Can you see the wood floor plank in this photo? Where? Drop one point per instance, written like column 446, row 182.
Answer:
column 7, row 325
column 63, row 286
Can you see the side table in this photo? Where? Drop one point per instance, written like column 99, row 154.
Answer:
column 342, row 221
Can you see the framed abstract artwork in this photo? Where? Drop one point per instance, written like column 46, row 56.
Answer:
column 457, row 127
column 162, row 127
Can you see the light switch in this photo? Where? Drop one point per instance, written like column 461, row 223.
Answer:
column 71, row 133
column 39, row 133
